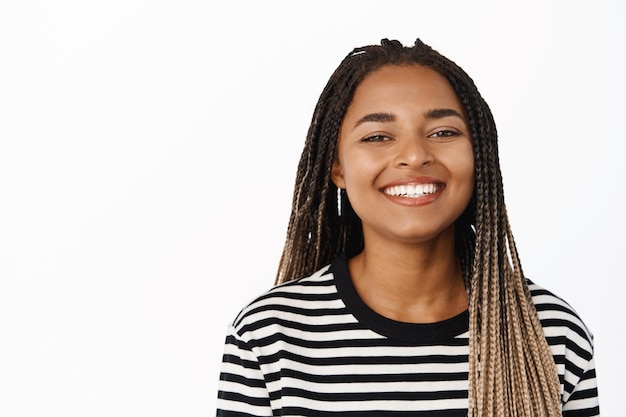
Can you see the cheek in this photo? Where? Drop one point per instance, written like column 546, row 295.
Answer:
column 464, row 161
column 471, row 179
column 359, row 168
column 463, row 169
column 469, row 175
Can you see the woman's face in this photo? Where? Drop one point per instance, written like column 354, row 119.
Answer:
column 404, row 155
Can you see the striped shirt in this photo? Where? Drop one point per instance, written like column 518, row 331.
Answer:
column 312, row 347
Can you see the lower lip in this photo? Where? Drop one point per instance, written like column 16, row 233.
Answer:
column 414, row 201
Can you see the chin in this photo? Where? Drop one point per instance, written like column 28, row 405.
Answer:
column 420, row 235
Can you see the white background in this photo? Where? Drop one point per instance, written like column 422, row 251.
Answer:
column 148, row 152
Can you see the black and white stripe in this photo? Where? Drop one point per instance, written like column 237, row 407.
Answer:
column 312, row 348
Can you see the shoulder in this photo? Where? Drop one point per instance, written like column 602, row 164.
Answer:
column 556, row 314
column 571, row 344
column 299, row 297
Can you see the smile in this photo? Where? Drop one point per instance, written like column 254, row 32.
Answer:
column 412, row 190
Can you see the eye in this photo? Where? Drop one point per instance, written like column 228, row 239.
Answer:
column 444, row 134
column 376, row 138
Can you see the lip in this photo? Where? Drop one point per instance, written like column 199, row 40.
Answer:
column 414, row 201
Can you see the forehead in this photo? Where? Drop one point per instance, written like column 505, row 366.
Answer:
column 404, row 84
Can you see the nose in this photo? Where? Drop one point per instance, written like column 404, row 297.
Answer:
column 413, row 152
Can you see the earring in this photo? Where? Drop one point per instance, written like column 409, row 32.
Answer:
column 339, row 190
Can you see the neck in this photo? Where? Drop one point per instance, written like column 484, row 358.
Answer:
column 415, row 283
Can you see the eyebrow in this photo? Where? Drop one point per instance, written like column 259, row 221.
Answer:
column 388, row 117
column 376, row 117
column 439, row 113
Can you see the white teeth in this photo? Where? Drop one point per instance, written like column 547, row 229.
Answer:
column 411, row 190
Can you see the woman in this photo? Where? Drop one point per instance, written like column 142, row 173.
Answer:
column 401, row 291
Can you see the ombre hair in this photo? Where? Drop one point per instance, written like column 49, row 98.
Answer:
column 511, row 369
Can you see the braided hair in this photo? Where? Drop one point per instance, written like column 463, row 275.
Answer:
column 517, row 375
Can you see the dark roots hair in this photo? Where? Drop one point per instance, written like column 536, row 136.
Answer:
column 517, row 374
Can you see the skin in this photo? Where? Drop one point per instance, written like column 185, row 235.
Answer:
column 405, row 125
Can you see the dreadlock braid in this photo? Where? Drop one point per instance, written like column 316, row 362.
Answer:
column 511, row 369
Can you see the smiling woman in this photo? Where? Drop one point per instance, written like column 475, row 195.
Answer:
column 400, row 290
column 408, row 174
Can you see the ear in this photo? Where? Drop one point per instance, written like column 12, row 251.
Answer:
column 336, row 174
